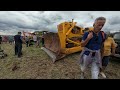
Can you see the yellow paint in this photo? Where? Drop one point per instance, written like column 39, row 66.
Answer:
column 65, row 33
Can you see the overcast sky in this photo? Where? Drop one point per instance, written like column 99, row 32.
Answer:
column 13, row 21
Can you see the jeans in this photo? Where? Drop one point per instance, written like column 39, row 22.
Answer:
column 18, row 49
column 105, row 60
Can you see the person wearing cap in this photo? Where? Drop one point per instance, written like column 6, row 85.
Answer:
column 0, row 39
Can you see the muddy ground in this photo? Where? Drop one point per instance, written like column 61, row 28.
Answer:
column 36, row 64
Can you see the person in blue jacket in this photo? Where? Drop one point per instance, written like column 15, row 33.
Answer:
column 92, row 42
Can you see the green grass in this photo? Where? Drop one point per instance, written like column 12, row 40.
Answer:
column 36, row 64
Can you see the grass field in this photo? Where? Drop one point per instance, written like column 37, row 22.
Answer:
column 36, row 64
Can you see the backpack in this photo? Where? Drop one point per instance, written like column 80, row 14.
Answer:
column 103, row 38
column 103, row 35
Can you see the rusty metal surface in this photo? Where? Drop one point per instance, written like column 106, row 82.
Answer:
column 52, row 42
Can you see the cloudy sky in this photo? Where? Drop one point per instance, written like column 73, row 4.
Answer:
column 13, row 21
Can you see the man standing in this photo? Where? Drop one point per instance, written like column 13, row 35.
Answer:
column 43, row 38
column 18, row 44
column 92, row 42
column 38, row 41
column 27, row 41
column 35, row 39
column 0, row 39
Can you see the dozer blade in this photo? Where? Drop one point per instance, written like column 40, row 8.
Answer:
column 52, row 54
column 52, row 46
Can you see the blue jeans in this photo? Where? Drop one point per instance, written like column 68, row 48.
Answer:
column 105, row 60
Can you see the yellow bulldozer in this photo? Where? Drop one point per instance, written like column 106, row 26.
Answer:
column 66, row 41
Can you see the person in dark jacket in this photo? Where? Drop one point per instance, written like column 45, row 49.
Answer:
column 18, row 44
column 43, row 39
column 0, row 39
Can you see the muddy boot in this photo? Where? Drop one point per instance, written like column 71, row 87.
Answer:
column 102, row 72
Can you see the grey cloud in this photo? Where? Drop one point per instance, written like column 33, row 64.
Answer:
column 114, row 20
column 14, row 21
